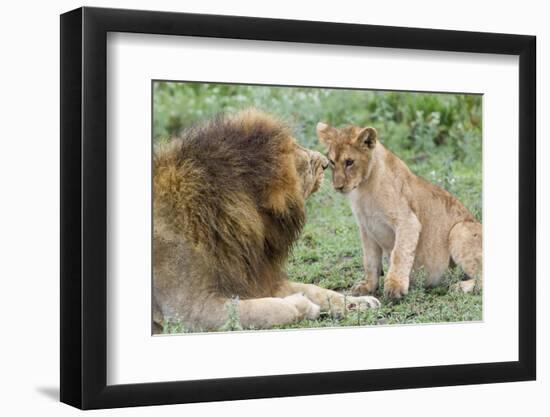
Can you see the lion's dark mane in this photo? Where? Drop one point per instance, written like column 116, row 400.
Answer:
column 215, row 187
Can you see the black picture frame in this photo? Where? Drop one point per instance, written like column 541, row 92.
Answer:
column 84, row 207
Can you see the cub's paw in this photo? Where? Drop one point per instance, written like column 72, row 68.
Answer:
column 306, row 308
column 395, row 287
column 364, row 288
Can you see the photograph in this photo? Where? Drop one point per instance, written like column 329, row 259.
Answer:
column 292, row 207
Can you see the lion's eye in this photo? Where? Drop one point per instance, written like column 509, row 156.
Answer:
column 349, row 162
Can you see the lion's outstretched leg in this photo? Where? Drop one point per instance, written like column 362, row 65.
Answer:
column 329, row 300
column 215, row 313
column 264, row 313
column 465, row 242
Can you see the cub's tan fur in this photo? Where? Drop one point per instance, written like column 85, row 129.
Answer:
column 229, row 202
column 400, row 214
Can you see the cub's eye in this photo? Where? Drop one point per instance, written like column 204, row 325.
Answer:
column 331, row 162
column 348, row 162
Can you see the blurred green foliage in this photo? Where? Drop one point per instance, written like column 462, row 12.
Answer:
column 439, row 136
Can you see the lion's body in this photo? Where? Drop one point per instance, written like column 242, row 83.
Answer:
column 228, row 204
column 401, row 215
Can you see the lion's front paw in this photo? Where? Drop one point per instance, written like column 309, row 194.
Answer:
column 364, row 288
column 306, row 308
column 362, row 303
column 395, row 287
column 464, row 286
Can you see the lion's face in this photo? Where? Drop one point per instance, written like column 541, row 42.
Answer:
column 349, row 153
column 310, row 166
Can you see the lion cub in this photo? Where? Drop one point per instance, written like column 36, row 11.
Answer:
column 400, row 214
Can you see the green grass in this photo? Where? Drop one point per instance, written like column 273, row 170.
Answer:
column 437, row 135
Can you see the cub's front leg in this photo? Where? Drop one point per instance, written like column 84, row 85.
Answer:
column 372, row 263
column 407, row 233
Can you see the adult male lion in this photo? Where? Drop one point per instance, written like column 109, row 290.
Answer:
column 417, row 223
column 228, row 205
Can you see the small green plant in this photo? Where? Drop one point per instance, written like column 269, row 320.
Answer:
column 173, row 326
column 233, row 322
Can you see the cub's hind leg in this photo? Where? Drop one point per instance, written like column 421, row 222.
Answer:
column 465, row 241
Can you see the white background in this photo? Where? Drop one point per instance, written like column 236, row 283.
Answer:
column 29, row 213
column 133, row 60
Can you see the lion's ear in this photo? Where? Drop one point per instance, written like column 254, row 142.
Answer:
column 367, row 138
column 324, row 132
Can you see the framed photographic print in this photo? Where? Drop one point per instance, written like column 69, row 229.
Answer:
column 256, row 208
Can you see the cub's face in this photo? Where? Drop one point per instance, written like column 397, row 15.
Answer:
column 310, row 166
column 349, row 152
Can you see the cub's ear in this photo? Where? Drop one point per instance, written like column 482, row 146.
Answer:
column 324, row 133
column 367, row 138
